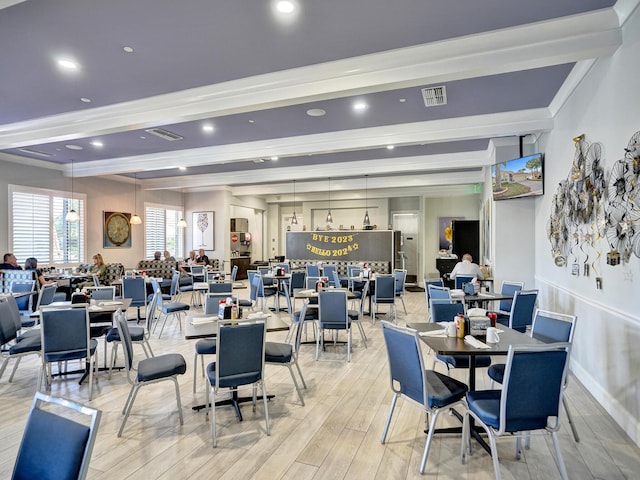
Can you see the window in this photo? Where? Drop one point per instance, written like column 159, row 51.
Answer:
column 161, row 230
column 39, row 229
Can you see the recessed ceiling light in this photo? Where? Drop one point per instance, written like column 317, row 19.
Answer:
column 73, row 147
column 258, row 160
column 182, row 169
column 85, row 100
column 68, row 64
column 128, row 49
column 316, row 112
column 360, row 106
column 285, row 6
column 252, row 121
column 274, row 159
column 97, row 143
column 402, row 100
column 207, row 127
column 390, row 147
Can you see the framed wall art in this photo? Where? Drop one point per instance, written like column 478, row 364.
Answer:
column 116, row 230
column 203, row 226
column 445, row 232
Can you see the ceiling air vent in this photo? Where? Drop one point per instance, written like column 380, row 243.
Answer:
column 31, row 151
column 164, row 134
column 433, row 96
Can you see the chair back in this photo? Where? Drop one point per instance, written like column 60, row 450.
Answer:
column 363, row 297
column 23, row 286
column 335, row 280
column 136, row 290
column 385, row 288
column 53, row 445
column 96, row 279
column 127, row 344
column 312, row 270
column 401, row 276
column 438, row 293
column 65, row 334
column 445, row 312
column 253, row 287
column 14, row 311
column 460, row 280
column 284, row 265
column 45, row 297
column 212, row 301
column 532, row 389
column 508, row 288
column 406, row 365
column 551, row 327
column 234, row 273
column 328, row 271
column 221, row 287
column 310, row 282
column 8, row 328
column 103, row 293
column 198, row 272
column 333, row 309
column 265, row 271
column 297, row 280
column 174, row 290
column 524, row 303
column 240, row 353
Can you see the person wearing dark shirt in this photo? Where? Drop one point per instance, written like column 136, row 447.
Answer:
column 31, row 263
column 202, row 259
column 10, row 262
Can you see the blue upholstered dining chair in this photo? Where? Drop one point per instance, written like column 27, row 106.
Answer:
column 385, row 294
column 136, row 290
column 312, row 270
column 163, row 310
column 530, row 399
column 460, row 280
column 239, row 361
column 261, row 293
column 356, row 315
column 10, row 346
column 139, row 335
column 433, row 392
column 66, row 336
column 333, row 315
column 328, row 271
column 446, row 312
column 522, row 308
column 57, row 442
column 221, row 287
column 165, row 367
column 547, row 327
column 401, row 278
column 508, row 287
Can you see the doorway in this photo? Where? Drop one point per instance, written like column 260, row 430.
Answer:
column 409, row 225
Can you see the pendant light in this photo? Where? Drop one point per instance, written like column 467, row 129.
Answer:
column 366, row 222
column 294, row 219
column 182, row 223
column 135, row 218
column 72, row 216
column 329, row 217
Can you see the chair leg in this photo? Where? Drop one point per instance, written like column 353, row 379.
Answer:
column 175, row 381
column 494, row 455
column 427, row 445
column 559, row 460
column 13, row 370
column 195, row 371
column 112, row 362
column 212, row 408
column 266, row 408
column 362, row 334
column 127, row 406
column 564, row 404
column 304, row 384
column 386, row 425
column 295, row 384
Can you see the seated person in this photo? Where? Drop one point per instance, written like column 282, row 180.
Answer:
column 187, row 262
column 202, row 259
column 98, row 268
column 10, row 262
column 466, row 267
column 168, row 257
column 31, row 263
column 157, row 256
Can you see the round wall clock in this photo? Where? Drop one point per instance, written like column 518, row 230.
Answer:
column 118, row 228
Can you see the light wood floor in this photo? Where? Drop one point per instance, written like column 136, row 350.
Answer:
column 335, row 435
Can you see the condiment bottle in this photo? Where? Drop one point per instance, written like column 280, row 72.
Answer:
column 460, row 326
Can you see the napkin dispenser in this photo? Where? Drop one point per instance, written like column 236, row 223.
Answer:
column 478, row 326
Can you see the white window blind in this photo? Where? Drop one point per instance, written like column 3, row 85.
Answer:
column 39, row 228
column 161, row 231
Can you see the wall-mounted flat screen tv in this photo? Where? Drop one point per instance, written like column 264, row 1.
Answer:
column 518, row 178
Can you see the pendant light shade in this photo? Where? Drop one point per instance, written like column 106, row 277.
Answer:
column 329, row 217
column 294, row 219
column 135, row 218
column 366, row 222
column 72, row 216
column 182, row 223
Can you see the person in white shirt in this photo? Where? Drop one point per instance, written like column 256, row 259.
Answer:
column 466, row 267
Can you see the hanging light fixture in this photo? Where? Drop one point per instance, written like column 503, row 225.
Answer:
column 72, row 216
column 329, row 217
column 182, row 223
column 135, row 218
column 294, row 219
column 366, row 222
